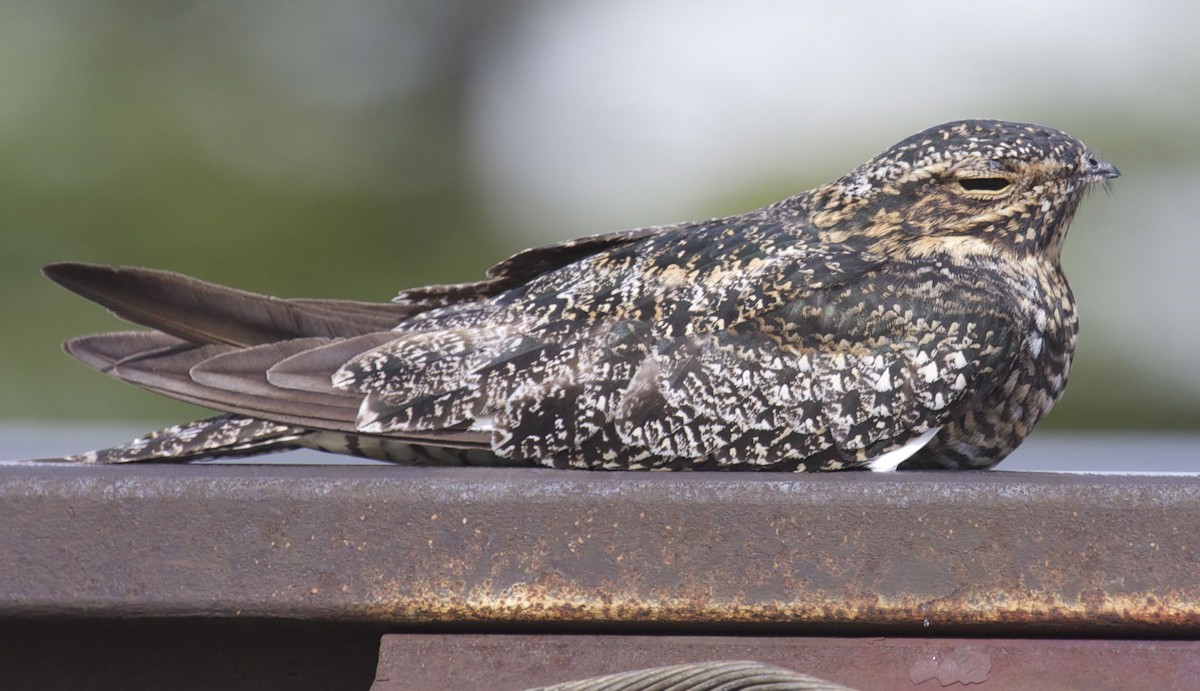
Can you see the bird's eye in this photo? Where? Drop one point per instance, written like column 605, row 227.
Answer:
column 984, row 185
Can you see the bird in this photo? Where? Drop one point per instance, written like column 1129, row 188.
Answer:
column 912, row 314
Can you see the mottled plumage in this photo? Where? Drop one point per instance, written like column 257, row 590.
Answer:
column 912, row 313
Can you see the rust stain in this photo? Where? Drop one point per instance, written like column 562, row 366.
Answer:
column 923, row 553
column 1025, row 555
column 553, row 601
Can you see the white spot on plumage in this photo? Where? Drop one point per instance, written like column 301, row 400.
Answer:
column 889, row 461
column 835, row 385
column 884, row 383
column 929, row 372
column 483, row 423
column 1039, row 319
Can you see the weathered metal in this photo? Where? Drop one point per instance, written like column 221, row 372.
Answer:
column 725, row 675
column 434, row 662
column 928, row 554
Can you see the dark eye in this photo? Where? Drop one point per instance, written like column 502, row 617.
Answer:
column 983, row 184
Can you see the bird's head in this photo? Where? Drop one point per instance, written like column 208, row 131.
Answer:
column 968, row 187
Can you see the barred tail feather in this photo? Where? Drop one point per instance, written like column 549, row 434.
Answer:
column 223, row 436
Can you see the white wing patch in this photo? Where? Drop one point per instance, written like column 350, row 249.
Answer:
column 888, row 462
column 483, row 423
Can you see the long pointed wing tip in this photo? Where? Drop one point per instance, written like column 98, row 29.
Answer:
column 69, row 273
column 102, row 351
column 83, row 349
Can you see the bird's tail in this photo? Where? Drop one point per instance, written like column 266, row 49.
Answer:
column 223, row 436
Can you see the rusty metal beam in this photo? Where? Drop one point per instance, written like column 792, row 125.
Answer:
column 508, row 663
column 929, row 554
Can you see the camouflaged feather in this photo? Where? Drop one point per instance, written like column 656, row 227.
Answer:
column 915, row 306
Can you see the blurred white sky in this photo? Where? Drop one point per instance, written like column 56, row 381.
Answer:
column 638, row 111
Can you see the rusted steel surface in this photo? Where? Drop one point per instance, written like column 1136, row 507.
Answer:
column 926, row 554
column 507, row 663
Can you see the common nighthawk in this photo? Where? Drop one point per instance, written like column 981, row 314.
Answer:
column 912, row 314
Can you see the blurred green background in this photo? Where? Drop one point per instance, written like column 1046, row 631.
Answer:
column 353, row 149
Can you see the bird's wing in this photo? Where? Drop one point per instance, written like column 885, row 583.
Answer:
column 741, row 343
column 262, row 356
column 737, row 344
column 837, row 379
column 526, row 265
column 200, row 312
